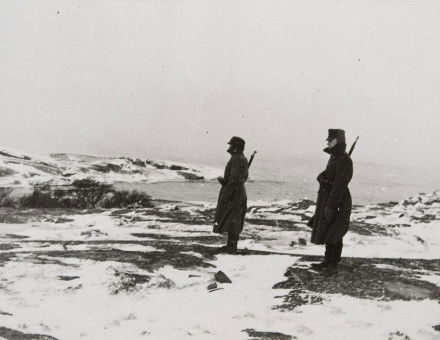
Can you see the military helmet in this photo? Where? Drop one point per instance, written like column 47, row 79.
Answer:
column 237, row 142
column 339, row 134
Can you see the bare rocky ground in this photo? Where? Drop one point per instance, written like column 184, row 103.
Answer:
column 178, row 236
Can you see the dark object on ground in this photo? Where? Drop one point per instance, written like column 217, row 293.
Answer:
column 12, row 334
column 222, row 277
column 212, row 286
column 293, row 243
column 63, row 220
column 213, row 290
column 258, row 335
column 437, row 327
column 67, row 278
column 302, row 241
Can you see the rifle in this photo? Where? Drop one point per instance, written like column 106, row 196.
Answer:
column 251, row 159
column 352, row 147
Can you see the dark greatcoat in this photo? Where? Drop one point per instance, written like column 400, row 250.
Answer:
column 334, row 194
column 232, row 200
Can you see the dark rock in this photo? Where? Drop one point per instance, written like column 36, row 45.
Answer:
column 437, row 327
column 67, row 278
column 12, row 334
column 63, row 220
column 293, row 243
column 302, row 241
column 222, row 277
column 178, row 167
column 422, row 241
column 212, row 286
column 398, row 336
column 258, row 335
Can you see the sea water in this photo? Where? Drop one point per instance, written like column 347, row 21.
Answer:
column 295, row 179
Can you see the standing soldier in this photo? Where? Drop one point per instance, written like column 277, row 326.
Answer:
column 232, row 200
column 333, row 207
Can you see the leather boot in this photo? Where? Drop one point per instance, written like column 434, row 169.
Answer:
column 331, row 269
column 327, row 258
column 234, row 241
column 226, row 248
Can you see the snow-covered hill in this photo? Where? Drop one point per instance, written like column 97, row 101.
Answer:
column 22, row 170
column 144, row 274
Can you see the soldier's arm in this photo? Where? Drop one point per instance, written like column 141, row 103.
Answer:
column 321, row 178
column 343, row 176
column 221, row 180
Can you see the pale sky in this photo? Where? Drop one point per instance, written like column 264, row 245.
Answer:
column 176, row 79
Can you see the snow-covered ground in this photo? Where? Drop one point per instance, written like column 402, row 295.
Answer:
column 22, row 170
column 144, row 273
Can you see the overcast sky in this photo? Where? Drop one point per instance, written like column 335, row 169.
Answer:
column 176, row 79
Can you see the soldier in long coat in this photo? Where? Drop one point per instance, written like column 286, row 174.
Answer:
column 333, row 207
column 232, row 200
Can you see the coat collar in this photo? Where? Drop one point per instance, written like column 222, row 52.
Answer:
column 337, row 150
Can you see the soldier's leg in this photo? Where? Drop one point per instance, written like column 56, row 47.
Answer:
column 337, row 251
column 234, row 242
column 228, row 245
column 327, row 257
column 328, row 252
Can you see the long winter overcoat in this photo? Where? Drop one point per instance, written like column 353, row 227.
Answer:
column 334, row 194
column 232, row 200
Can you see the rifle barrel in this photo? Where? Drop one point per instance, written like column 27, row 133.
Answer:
column 352, row 147
column 251, row 159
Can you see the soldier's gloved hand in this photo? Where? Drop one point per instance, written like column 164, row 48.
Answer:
column 221, row 180
column 328, row 214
